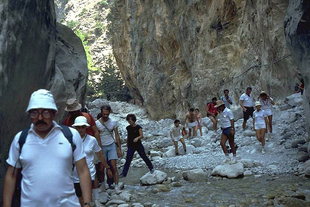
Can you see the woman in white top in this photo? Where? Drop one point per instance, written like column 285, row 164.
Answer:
column 260, row 124
column 267, row 103
column 91, row 147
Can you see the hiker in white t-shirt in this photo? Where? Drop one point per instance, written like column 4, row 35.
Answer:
column 247, row 105
column 111, row 142
column 267, row 103
column 176, row 136
column 260, row 124
column 46, row 159
column 91, row 147
column 227, row 123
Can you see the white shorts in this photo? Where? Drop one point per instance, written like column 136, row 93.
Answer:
column 260, row 126
column 268, row 112
column 192, row 124
column 176, row 139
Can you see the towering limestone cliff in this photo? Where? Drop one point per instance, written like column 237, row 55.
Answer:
column 297, row 30
column 34, row 53
column 177, row 54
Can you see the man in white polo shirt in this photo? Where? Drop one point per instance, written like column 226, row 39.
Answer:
column 227, row 123
column 247, row 105
column 46, row 159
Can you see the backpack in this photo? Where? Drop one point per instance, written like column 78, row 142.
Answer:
column 65, row 130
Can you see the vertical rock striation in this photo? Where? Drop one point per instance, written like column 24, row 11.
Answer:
column 297, row 31
column 177, row 54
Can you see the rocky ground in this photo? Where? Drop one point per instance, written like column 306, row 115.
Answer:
column 287, row 150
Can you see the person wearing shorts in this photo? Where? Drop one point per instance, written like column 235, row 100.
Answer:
column 191, row 122
column 199, row 121
column 260, row 124
column 176, row 136
column 111, row 143
column 227, row 123
column 267, row 102
column 247, row 105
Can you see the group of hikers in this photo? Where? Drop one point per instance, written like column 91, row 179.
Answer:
column 218, row 111
column 47, row 153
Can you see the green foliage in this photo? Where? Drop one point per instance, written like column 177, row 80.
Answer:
column 72, row 24
column 107, row 83
column 83, row 12
column 103, row 4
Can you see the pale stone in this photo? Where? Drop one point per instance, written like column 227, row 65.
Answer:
column 151, row 179
column 229, row 170
column 195, row 175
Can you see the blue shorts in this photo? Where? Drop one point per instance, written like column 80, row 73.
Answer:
column 226, row 131
column 109, row 152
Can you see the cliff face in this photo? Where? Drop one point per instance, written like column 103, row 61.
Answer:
column 297, row 31
column 30, row 43
column 177, row 54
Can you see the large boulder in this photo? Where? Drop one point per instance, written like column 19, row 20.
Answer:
column 294, row 100
column 195, row 175
column 229, row 170
column 156, row 177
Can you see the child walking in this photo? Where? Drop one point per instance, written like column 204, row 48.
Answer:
column 260, row 124
column 134, row 136
column 176, row 135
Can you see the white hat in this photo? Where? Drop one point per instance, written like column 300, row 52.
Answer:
column 257, row 103
column 41, row 99
column 80, row 121
column 219, row 103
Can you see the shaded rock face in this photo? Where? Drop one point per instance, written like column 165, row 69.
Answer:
column 177, row 54
column 297, row 31
column 29, row 46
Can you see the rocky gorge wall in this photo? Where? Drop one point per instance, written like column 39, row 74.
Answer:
column 34, row 53
column 297, row 31
column 178, row 54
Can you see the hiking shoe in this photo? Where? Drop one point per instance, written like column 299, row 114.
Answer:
column 152, row 171
column 263, row 151
column 176, row 153
column 117, row 189
column 121, row 175
column 227, row 159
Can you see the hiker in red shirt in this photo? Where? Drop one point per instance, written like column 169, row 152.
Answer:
column 212, row 112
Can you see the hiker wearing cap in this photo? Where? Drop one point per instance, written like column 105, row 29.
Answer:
column 267, row 102
column 111, row 142
column 45, row 156
column 134, row 136
column 227, row 99
column 247, row 105
column 91, row 147
column 227, row 123
column 191, row 122
column 260, row 124
column 212, row 112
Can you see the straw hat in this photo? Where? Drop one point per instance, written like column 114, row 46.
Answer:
column 80, row 121
column 219, row 103
column 72, row 105
column 263, row 93
column 41, row 99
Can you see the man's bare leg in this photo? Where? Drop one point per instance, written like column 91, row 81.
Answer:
column 183, row 143
column 176, row 147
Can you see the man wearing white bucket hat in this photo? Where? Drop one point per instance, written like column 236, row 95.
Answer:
column 46, row 157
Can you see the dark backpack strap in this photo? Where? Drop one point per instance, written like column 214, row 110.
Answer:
column 22, row 139
column 68, row 134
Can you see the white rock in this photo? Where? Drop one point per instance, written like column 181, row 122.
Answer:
column 249, row 133
column 248, row 173
column 123, row 205
column 151, row 179
column 294, row 99
column 196, row 142
column 194, row 175
column 137, row 205
column 117, row 202
column 250, row 163
column 155, row 153
column 273, row 167
column 207, row 123
column 230, row 171
column 126, row 196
